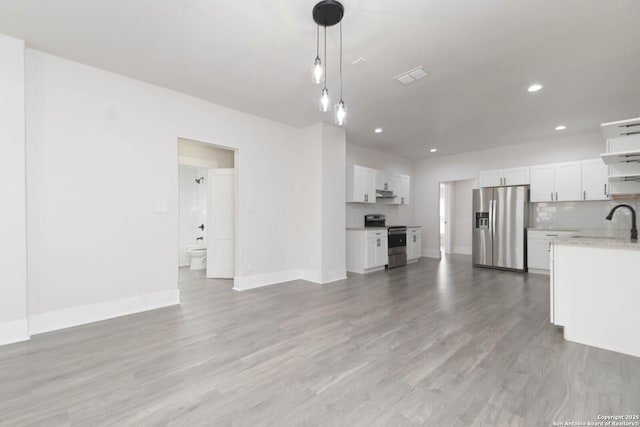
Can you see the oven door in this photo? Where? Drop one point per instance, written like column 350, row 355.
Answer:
column 397, row 247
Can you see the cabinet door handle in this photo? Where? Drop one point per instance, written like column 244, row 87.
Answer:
column 378, row 243
column 605, row 189
column 556, row 196
column 505, row 180
column 366, row 197
column 402, row 200
column 584, row 194
column 552, row 196
column 414, row 238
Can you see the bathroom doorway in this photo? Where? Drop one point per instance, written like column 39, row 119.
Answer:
column 206, row 186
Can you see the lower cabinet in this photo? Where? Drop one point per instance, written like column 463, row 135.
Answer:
column 414, row 244
column 367, row 250
column 538, row 242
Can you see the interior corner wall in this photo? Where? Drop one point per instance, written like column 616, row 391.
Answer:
column 322, row 187
column 430, row 172
column 13, row 244
column 334, row 265
column 102, row 190
column 461, row 217
column 310, row 193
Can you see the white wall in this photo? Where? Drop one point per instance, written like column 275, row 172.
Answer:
column 334, row 257
column 396, row 214
column 461, row 217
column 322, row 186
column 429, row 172
column 102, row 167
column 13, row 250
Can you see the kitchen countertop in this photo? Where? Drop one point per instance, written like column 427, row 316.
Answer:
column 606, row 242
column 564, row 230
column 380, row 228
column 366, row 228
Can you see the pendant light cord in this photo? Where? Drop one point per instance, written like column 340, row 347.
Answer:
column 318, row 41
column 340, row 60
column 325, row 57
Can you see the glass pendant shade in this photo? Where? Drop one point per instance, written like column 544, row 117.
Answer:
column 324, row 100
column 317, row 71
column 340, row 113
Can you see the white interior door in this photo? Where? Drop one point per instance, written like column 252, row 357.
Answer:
column 221, row 224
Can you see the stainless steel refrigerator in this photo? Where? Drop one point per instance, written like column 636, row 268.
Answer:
column 500, row 218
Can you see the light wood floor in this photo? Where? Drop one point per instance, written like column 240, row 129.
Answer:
column 436, row 343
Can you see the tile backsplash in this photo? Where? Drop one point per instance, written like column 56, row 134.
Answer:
column 585, row 216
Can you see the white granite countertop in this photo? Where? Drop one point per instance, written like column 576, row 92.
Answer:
column 553, row 229
column 608, row 242
column 366, row 228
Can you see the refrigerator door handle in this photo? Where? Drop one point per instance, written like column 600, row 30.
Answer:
column 492, row 217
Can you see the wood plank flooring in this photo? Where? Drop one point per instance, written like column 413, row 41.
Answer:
column 437, row 343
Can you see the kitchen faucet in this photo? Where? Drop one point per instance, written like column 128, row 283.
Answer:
column 634, row 230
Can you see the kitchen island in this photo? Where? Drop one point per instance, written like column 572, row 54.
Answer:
column 595, row 291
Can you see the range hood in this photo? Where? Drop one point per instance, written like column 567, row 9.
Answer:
column 385, row 194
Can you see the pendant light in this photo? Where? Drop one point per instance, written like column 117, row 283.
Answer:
column 324, row 96
column 317, row 64
column 328, row 13
column 340, row 109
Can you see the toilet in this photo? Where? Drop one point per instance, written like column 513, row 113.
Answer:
column 197, row 257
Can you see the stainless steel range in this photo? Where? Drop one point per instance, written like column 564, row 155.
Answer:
column 397, row 238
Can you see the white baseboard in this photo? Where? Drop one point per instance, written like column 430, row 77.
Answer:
column 244, row 283
column 14, row 331
column 81, row 315
column 538, row 271
column 462, row 250
column 323, row 277
column 431, row 254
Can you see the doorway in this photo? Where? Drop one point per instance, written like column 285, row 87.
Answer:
column 207, row 200
column 456, row 198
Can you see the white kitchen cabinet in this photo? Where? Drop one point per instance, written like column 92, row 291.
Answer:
column 538, row 242
column 543, row 183
column 361, row 184
column 414, row 244
column 502, row 177
column 568, row 177
column 595, row 180
column 384, row 181
column 491, row 178
column 401, row 189
column 367, row 250
column 516, row 176
column 556, row 182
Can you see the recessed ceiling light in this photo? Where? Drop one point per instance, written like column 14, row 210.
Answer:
column 433, row 150
column 378, row 130
column 534, row 87
column 561, row 127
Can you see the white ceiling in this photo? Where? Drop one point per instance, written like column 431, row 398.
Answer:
column 256, row 56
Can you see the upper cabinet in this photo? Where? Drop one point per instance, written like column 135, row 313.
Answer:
column 558, row 182
column 569, row 181
column 543, row 183
column 595, row 180
column 502, row 177
column 401, row 189
column 384, row 181
column 361, row 184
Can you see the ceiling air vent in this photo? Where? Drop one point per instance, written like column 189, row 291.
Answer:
column 411, row 76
